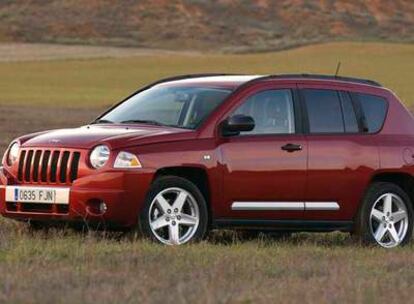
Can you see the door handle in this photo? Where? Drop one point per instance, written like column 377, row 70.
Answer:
column 291, row 147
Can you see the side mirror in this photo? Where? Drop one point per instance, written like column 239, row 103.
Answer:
column 238, row 123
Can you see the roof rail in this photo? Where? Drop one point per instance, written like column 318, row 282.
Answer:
column 327, row 77
column 306, row 76
column 189, row 76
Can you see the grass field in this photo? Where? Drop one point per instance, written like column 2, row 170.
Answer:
column 91, row 82
column 66, row 266
column 69, row 267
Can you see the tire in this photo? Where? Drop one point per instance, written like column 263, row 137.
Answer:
column 386, row 216
column 174, row 213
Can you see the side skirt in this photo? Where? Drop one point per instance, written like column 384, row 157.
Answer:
column 285, row 225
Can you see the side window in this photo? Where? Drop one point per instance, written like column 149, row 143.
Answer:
column 324, row 111
column 374, row 109
column 272, row 112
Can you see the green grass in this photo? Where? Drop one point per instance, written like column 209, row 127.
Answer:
column 100, row 82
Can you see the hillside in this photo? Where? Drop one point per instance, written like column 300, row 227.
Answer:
column 226, row 25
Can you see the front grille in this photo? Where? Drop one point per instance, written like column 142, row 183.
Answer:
column 37, row 166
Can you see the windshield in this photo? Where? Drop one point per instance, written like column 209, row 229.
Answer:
column 184, row 107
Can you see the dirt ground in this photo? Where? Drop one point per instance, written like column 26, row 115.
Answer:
column 18, row 120
column 10, row 52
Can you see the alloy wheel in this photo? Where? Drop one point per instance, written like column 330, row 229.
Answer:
column 174, row 216
column 389, row 220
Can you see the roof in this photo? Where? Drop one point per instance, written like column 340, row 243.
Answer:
column 233, row 81
column 219, row 80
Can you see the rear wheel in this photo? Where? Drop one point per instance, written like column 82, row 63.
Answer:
column 175, row 212
column 386, row 216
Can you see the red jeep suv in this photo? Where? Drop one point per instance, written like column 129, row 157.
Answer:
column 192, row 153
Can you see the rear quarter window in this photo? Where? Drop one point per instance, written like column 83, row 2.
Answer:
column 374, row 109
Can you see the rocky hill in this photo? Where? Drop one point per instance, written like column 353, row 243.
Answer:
column 224, row 25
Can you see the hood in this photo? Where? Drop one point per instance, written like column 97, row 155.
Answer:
column 116, row 136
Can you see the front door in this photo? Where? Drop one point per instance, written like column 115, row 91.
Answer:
column 264, row 170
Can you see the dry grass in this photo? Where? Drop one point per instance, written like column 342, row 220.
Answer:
column 12, row 52
column 63, row 266
column 100, row 82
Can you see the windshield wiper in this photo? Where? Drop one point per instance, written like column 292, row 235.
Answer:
column 101, row 121
column 148, row 122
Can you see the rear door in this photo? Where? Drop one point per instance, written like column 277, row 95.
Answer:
column 341, row 154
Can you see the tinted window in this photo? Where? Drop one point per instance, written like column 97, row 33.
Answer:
column 324, row 111
column 272, row 112
column 350, row 120
column 374, row 109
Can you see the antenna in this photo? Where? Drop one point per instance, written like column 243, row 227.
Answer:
column 338, row 68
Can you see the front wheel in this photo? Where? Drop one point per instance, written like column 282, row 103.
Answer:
column 175, row 212
column 386, row 216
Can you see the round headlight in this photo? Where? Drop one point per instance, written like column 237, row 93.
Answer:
column 99, row 156
column 13, row 154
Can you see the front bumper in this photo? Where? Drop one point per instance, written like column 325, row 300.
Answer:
column 123, row 192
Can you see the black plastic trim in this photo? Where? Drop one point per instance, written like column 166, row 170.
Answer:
column 298, row 112
column 304, row 112
column 363, row 128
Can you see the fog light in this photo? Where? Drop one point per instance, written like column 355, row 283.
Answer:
column 102, row 208
column 96, row 207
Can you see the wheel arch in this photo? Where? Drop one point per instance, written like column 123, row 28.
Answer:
column 404, row 180
column 197, row 175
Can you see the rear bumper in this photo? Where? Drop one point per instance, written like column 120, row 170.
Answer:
column 123, row 193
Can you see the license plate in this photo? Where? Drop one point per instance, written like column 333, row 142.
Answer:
column 39, row 195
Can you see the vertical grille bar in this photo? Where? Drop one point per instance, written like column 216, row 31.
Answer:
column 28, row 165
column 74, row 168
column 64, row 166
column 69, row 167
column 35, row 167
column 59, row 166
column 54, row 166
column 21, row 164
column 45, row 167
column 39, row 169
